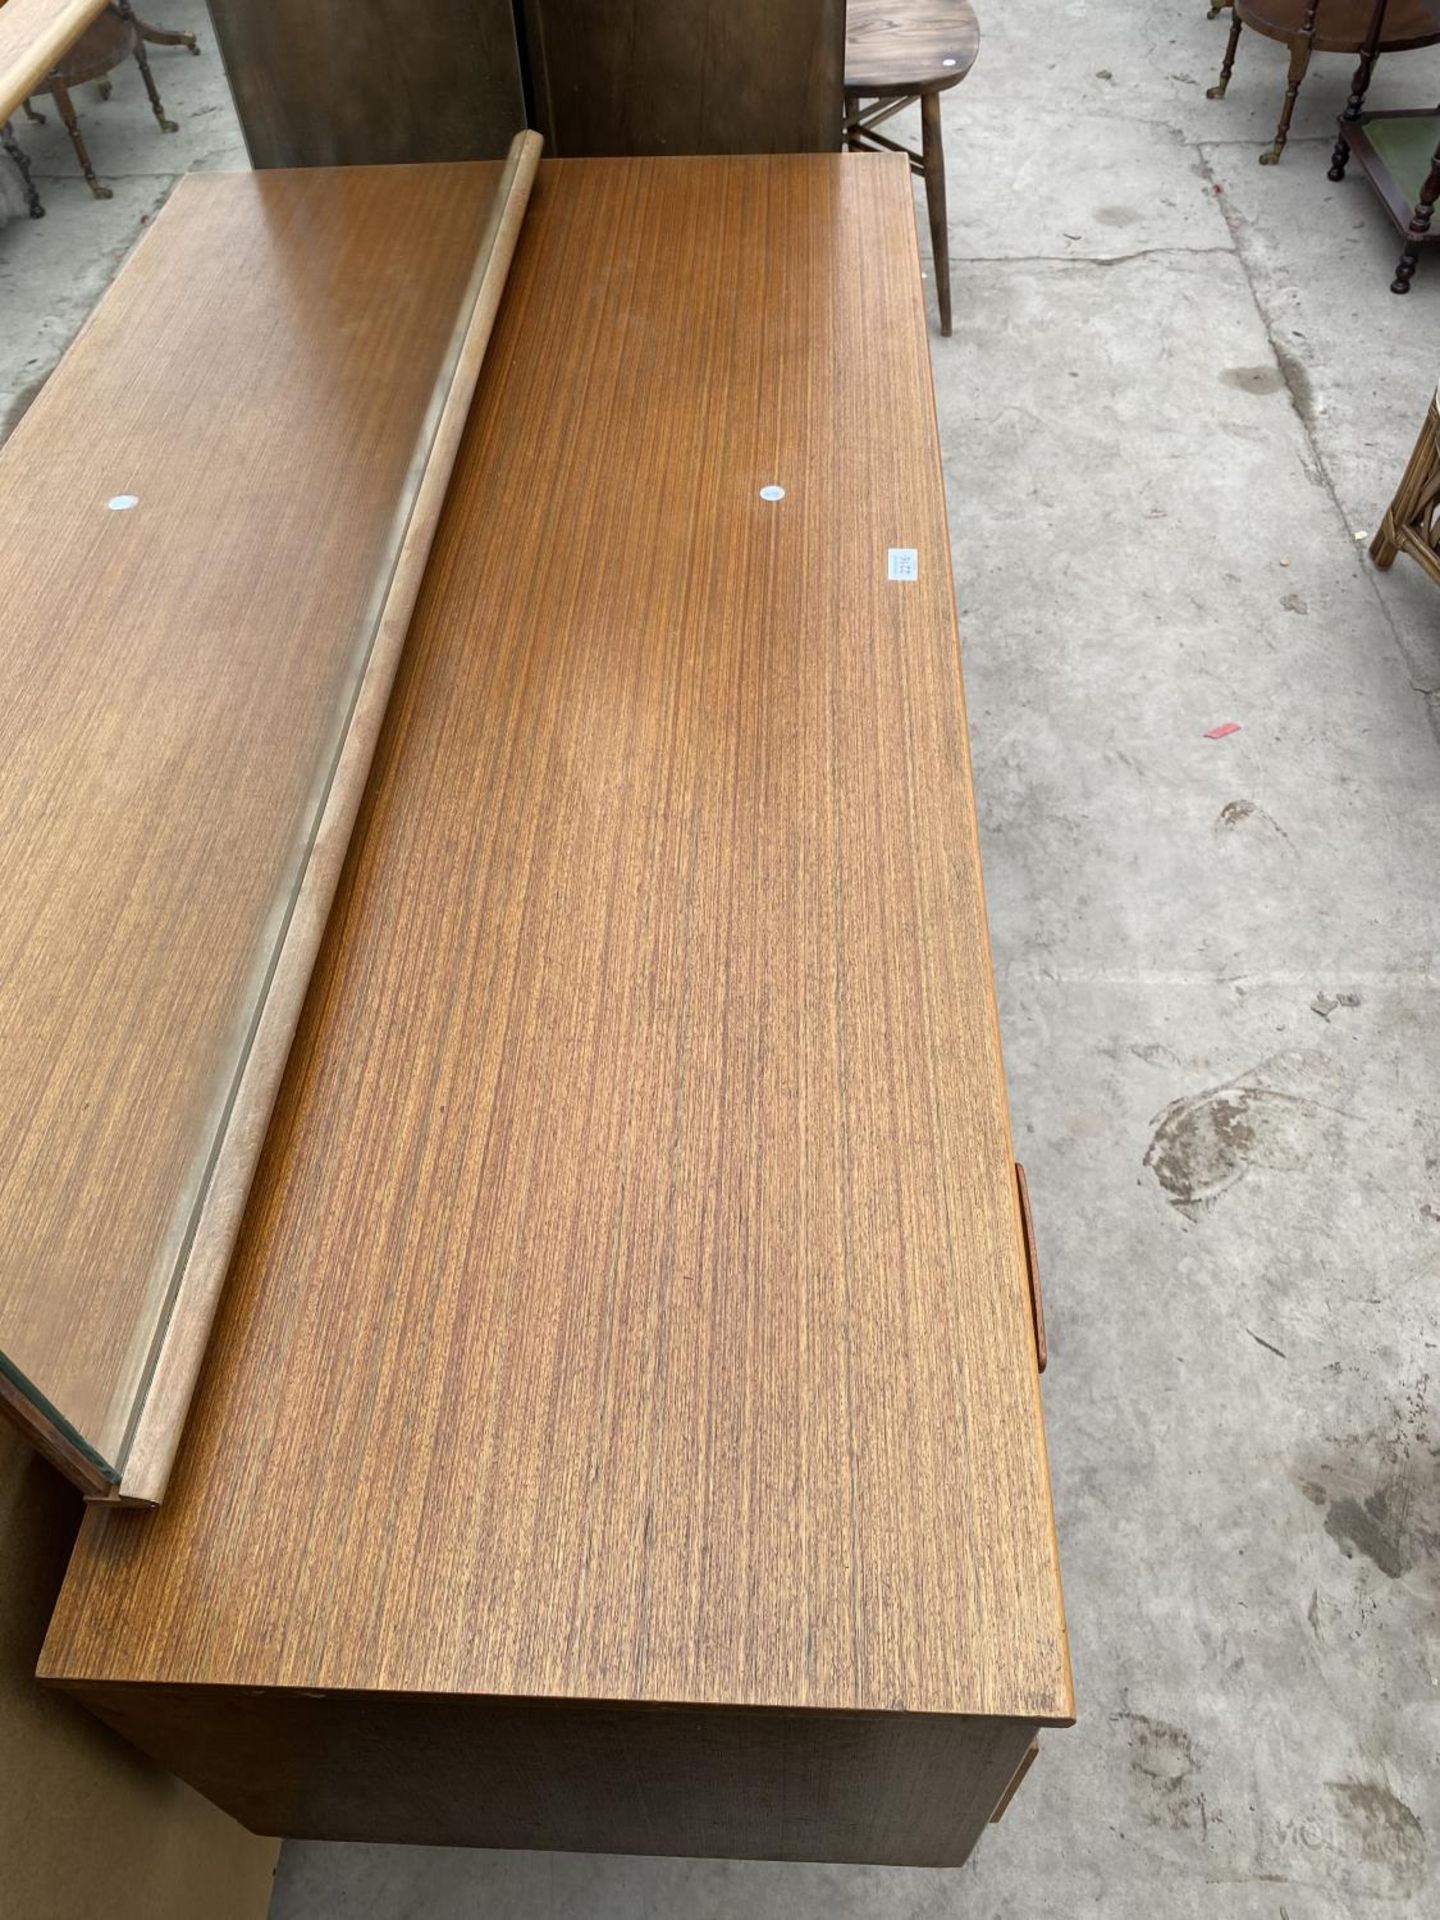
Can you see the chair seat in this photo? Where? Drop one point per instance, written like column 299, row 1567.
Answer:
column 908, row 46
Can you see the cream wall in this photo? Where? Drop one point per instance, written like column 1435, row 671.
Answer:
column 87, row 1826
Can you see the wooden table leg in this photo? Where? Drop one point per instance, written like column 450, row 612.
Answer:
column 22, row 167
column 1419, row 227
column 1227, row 65
column 933, row 148
column 1359, row 87
column 1300, row 51
column 166, row 36
column 142, row 61
column 61, row 96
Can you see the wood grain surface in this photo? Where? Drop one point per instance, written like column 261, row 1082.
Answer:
column 33, row 35
column 687, row 76
column 330, row 83
column 896, row 1789
column 262, row 380
column 161, row 1418
column 907, row 46
column 631, row 1304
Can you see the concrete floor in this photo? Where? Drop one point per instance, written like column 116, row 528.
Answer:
column 1177, row 399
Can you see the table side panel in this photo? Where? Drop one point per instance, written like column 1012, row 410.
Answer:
column 582, row 1776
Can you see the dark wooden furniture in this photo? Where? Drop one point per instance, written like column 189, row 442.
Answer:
column 1412, row 520
column 1400, row 155
column 1308, row 27
column 1399, row 152
column 686, row 76
column 351, row 82
column 898, row 52
column 623, row 1426
column 113, row 37
column 22, row 167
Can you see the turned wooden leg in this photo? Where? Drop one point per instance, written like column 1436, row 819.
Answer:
column 933, row 148
column 166, row 126
column 1419, row 227
column 1227, row 65
column 1299, row 62
column 61, row 96
column 1359, row 87
column 22, row 167
column 166, row 36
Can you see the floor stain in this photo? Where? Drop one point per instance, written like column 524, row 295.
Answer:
column 1379, row 1527
column 1380, row 1495
column 1381, row 1834
column 1163, row 1762
column 1204, row 1143
column 1239, row 813
column 1255, row 379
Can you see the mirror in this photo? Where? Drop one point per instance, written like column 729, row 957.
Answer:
column 213, row 525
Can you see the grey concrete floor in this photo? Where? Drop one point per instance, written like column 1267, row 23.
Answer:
column 1178, row 396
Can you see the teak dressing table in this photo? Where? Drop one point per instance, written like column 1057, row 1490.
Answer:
column 621, row 1429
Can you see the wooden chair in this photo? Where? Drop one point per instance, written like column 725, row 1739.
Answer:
column 898, row 52
column 116, row 35
column 1321, row 26
column 22, row 167
column 1412, row 520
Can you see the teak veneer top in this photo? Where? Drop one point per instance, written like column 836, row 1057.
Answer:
column 33, row 35
column 631, row 1303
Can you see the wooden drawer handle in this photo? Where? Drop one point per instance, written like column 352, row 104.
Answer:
column 1014, row 1786
column 1037, row 1302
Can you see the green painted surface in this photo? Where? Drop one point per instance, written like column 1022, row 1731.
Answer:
column 1407, row 147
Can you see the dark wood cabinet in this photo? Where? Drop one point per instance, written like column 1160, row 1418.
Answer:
column 335, row 83
column 687, row 76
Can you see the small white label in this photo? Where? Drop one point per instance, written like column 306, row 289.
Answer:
column 904, row 563
column 122, row 502
column 772, row 493
column 947, row 63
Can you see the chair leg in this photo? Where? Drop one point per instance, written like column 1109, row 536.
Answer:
column 1359, row 87
column 22, row 167
column 35, row 119
column 1299, row 63
column 1413, row 508
column 166, row 126
column 1227, row 65
column 166, row 36
column 61, row 97
column 1419, row 227
column 852, row 114
column 933, row 150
